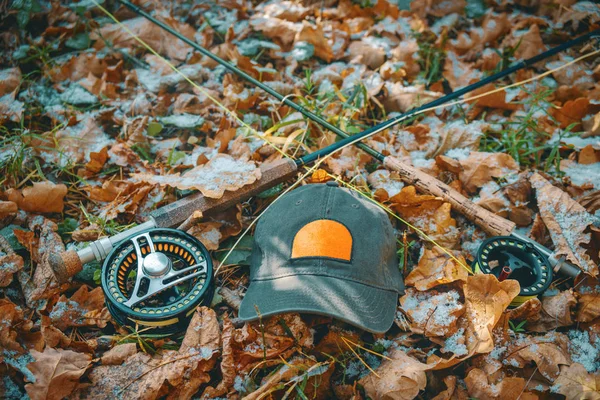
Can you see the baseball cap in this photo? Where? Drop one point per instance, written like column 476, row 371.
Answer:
column 325, row 250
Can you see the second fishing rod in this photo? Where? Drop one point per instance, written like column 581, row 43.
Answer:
column 491, row 223
column 68, row 263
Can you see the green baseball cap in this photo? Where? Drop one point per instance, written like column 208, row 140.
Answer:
column 325, row 250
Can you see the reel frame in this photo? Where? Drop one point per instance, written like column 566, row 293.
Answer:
column 520, row 260
column 151, row 255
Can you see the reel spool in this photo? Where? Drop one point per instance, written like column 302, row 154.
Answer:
column 507, row 257
column 157, row 278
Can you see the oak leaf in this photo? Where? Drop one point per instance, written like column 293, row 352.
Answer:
column 555, row 312
column 432, row 313
column 566, row 220
column 10, row 79
column 176, row 373
column 436, row 268
column 480, row 168
column 78, row 309
column 56, row 373
column 479, row 386
column 8, row 208
column 574, row 382
column 453, row 390
column 118, row 354
column 314, row 35
column 485, row 301
column 548, row 353
column 222, row 173
column 399, row 377
column 9, row 264
column 42, row 197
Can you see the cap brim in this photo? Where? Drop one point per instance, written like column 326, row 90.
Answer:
column 366, row 307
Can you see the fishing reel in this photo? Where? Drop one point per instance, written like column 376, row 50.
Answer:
column 508, row 257
column 156, row 278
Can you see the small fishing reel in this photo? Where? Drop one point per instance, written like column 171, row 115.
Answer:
column 157, row 278
column 507, row 257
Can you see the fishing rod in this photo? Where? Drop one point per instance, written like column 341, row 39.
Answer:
column 490, row 222
column 140, row 276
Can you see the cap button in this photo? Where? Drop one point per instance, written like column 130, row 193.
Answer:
column 333, row 183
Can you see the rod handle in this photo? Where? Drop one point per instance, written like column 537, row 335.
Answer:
column 172, row 215
column 493, row 224
column 64, row 265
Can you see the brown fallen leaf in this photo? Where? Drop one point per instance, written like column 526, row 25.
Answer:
column 485, row 301
column 8, row 208
column 436, row 268
column 9, row 264
column 365, row 53
column 10, row 79
column 574, row 382
column 399, row 377
column 572, row 112
column 55, row 338
column 118, row 354
column 221, row 173
column 432, row 313
column 480, row 168
column 228, row 370
column 588, row 306
column 566, row 220
column 177, row 374
column 547, row 352
column 11, row 109
column 313, row 34
column 56, row 373
column 42, row 197
column 84, row 308
column 530, row 44
column 400, row 98
column 556, row 312
column 453, row 390
column 480, row 387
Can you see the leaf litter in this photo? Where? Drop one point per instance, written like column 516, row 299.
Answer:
column 93, row 139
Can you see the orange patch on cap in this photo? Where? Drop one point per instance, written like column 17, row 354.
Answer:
column 323, row 238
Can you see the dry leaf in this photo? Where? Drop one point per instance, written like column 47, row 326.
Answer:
column 178, row 373
column 479, row 387
column 118, row 354
column 588, row 306
column 8, row 208
column 221, row 173
column 432, row 313
column 228, row 370
column 398, row 378
column 480, row 168
column 42, row 197
column 453, row 391
column 574, row 382
column 10, row 79
column 485, row 301
column 547, row 352
column 566, row 220
column 313, row 34
column 556, row 312
column 402, row 98
column 84, row 308
column 56, row 373
column 9, row 264
column 531, row 43
column 458, row 135
column 436, row 268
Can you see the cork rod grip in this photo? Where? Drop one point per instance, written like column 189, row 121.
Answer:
column 175, row 213
column 491, row 223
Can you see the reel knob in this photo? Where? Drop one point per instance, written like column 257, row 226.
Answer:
column 157, row 278
column 508, row 257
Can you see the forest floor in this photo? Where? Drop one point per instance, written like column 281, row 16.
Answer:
column 97, row 130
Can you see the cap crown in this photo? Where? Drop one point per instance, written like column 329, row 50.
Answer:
column 322, row 229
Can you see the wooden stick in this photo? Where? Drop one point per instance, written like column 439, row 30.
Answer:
column 493, row 224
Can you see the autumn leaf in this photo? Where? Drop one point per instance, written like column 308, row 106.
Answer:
column 10, row 79
column 436, row 268
column 8, row 208
column 433, row 313
column 485, row 301
column 398, row 377
column 547, row 352
column 480, row 168
column 479, row 386
column 555, row 312
column 42, row 197
column 181, row 373
column 56, row 373
column 221, row 173
column 574, row 382
column 566, row 220
column 84, row 308
column 9, row 264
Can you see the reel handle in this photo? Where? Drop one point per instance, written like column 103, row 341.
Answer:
column 493, row 224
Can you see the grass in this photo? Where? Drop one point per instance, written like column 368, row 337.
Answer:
column 431, row 57
column 526, row 140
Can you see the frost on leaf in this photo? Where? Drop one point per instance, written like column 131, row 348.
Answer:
column 480, row 168
column 221, row 173
column 56, row 373
column 398, row 377
column 436, row 268
column 567, row 221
